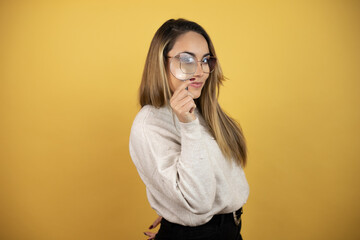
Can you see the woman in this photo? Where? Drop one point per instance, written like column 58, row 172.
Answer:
column 187, row 151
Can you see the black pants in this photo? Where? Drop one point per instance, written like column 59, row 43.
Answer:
column 220, row 227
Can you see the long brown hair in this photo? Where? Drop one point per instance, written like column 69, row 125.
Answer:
column 154, row 89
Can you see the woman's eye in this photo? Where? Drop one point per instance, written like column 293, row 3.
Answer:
column 186, row 60
column 205, row 60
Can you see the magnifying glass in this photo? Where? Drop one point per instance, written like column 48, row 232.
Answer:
column 183, row 66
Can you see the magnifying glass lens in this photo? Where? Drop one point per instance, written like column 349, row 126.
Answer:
column 183, row 66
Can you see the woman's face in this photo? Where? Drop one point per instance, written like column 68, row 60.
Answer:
column 195, row 44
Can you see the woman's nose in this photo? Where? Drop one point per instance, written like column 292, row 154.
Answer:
column 199, row 71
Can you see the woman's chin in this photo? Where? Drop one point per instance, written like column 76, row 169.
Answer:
column 196, row 95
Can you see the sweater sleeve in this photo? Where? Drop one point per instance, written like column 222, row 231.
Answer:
column 175, row 173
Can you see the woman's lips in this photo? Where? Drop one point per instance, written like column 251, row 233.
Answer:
column 196, row 84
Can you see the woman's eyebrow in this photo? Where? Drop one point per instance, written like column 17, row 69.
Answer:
column 190, row 53
column 193, row 54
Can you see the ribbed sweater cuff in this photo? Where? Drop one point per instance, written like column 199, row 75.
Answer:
column 191, row 129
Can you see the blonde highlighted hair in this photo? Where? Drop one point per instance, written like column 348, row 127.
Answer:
column 155, row 90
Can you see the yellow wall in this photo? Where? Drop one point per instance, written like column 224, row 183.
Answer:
column 69, row 74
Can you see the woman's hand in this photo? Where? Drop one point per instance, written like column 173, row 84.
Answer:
column 152, row 235
column 183, row 104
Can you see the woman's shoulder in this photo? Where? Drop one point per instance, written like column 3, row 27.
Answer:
column 150, row 116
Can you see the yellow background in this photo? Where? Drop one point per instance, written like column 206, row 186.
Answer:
column 69, row 74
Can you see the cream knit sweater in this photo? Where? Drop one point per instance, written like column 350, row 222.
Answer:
column 187, row 178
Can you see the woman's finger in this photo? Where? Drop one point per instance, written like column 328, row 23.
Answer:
column 182, row 103
column 179, row 106
column 180, row 95
column 189, row 107
column 181, row 87
column 151, row 235
column 156, row 222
